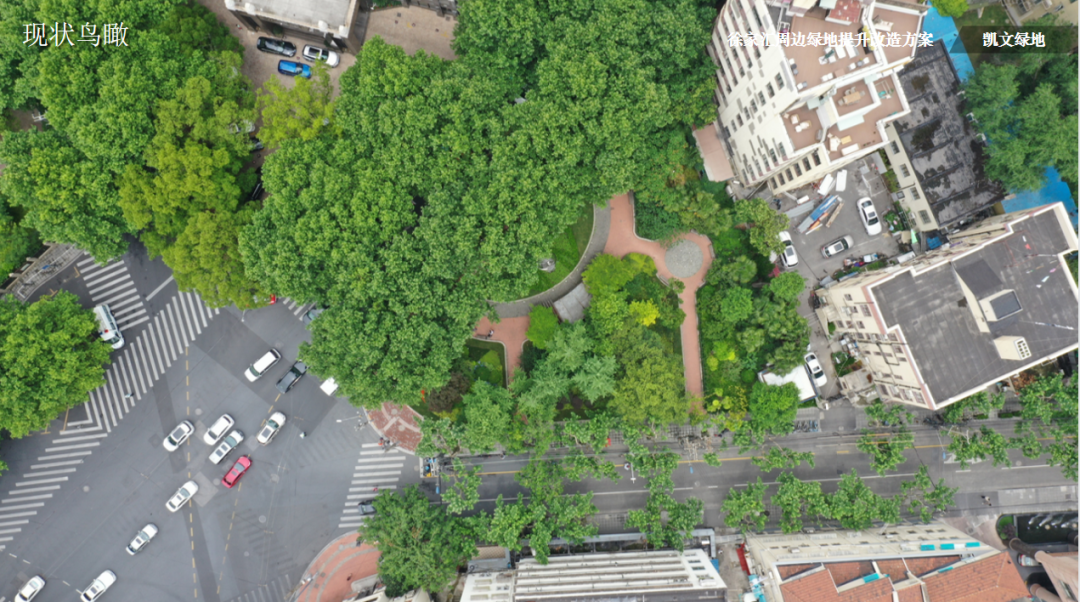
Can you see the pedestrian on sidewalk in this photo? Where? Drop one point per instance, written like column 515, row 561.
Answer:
column 986, row 501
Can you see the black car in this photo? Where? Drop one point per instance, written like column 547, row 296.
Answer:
column 274, row 46
column 292, row 377
column 366, row 508
column 313, row 313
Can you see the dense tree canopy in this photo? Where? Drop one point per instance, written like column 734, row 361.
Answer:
column 50, row 357
column 438, row 191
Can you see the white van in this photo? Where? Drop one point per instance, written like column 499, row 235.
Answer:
column 110, row 332
column 262, row 364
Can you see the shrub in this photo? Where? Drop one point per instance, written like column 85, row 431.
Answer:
column 542, row 325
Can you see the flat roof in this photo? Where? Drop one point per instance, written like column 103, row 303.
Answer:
column 334, row 12
column 940, row 143
column 942, row 335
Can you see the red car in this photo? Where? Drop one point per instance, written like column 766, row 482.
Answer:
column 236, row 471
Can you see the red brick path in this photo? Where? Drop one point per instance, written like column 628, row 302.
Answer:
column 400, row 424
column 336, row 568
column 511, row 333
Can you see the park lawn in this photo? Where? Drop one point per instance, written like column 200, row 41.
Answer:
column 991, row 16
column 567, row 250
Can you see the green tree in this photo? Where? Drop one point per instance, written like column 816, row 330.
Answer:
column 607, row 274
column 888, row 415
column 764, row 224
column 542, row 325
column 971, row 447
column 782, row 457
column 787, row 287
column 746, row 508
column 857, row 507
column 796, row 499
column 951, row 8
column 772, row 408
column 888, row 451
column 16, row 243
column 925, row 497
column 298, row 112
column 737, row 305
column 594, row 432
column 51, row 357
column 487, row 417
column 463, row 495
column 651, row 384
column 644, row 312
column 421, row 546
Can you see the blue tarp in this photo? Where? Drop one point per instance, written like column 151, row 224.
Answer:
column 944, row 28
column 1056, row 190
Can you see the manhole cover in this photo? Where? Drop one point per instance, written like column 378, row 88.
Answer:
column 198, row 411
column 684, row 259
column 262, row 519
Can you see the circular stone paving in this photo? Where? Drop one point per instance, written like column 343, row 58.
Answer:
column 684, row 259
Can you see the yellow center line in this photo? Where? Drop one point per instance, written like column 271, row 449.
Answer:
column 842, row 451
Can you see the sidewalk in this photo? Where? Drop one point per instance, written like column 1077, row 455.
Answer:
column 335, row 569
column 400, row 424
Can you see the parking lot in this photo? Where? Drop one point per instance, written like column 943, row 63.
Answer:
column 814, row 267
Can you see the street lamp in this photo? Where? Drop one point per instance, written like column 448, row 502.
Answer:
column 361, row 415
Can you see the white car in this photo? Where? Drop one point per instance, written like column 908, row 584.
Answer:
column 231, row 441
column 314, row 53
column 185, row 493
column 869, row 216
column 261, row 365
column 148, row 532
column 178, row 435
column 273, row 426
column 98, row 586
column 30, row 591
column 789, row 257
column 219, row 428
column 837, row 246
column 813, row 366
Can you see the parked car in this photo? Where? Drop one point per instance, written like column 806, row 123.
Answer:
column 813, row 366
column 256, row 144
column 366, row 508
column 144, row 536
column 837, row 246
column 219, row 428
column 185, row 493
column 178, row 435
column 227, row 445
column 98, row 586
column 261, row 365
column 30, row 591
column 298, row 370
column 275, row 46
column 293, row 69
column 271, row 429
column 869, row 216
column 243, row 463
column 313, row 313
column 314, row 53
column 789, row 257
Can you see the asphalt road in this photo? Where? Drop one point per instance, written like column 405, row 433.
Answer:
column 78, row 493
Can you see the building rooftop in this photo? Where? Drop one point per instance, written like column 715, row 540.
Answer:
column 990, row 578
column 853, row 112
column 945, row 155
column 931, row 309
column 335, row 13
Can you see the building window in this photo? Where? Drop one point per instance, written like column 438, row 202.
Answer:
column 798, row 171
column 772, row 182
column 817, row 160
column 757, row 17
column 847, row 297
column 781, row 176
column 900, row 194
column 788, row 171
column 895, row 149
column 861, row 326
column 753, row 105
column 893, row 337
column 865, row 311
column 780, row 147
column 761, row 97
column 740, row 119
column 924, row 216
column 904, row 171
column 780, row 81
column 806, row 164
column 850, row 326
column 918, row 397
column 757, row 53
column 915, row 194
column 769, row 89
column 898, row 350
column 772, row 155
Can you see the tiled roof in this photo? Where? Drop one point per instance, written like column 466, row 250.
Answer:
column 993, row 579
column 922, row 566
column 844, row 572
column 819, row 587
column 787, row 570
column 895, row 569
column 910, row 594
column 846, row 10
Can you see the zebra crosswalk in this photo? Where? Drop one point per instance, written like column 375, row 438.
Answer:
column 375, row 470
column 112, row 284
column 298, row 310
column 134, row 370
column 277, row 590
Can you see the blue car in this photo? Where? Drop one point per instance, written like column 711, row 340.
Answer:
column 294, row 69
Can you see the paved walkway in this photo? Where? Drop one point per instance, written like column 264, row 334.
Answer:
column 399, row 423
column 623, row 239
column 511, row 333
column 331, row 575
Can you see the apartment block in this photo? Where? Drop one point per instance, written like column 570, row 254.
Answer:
column 997, row 300
column 327, row 22
column 904, row 563
column 789, row 114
